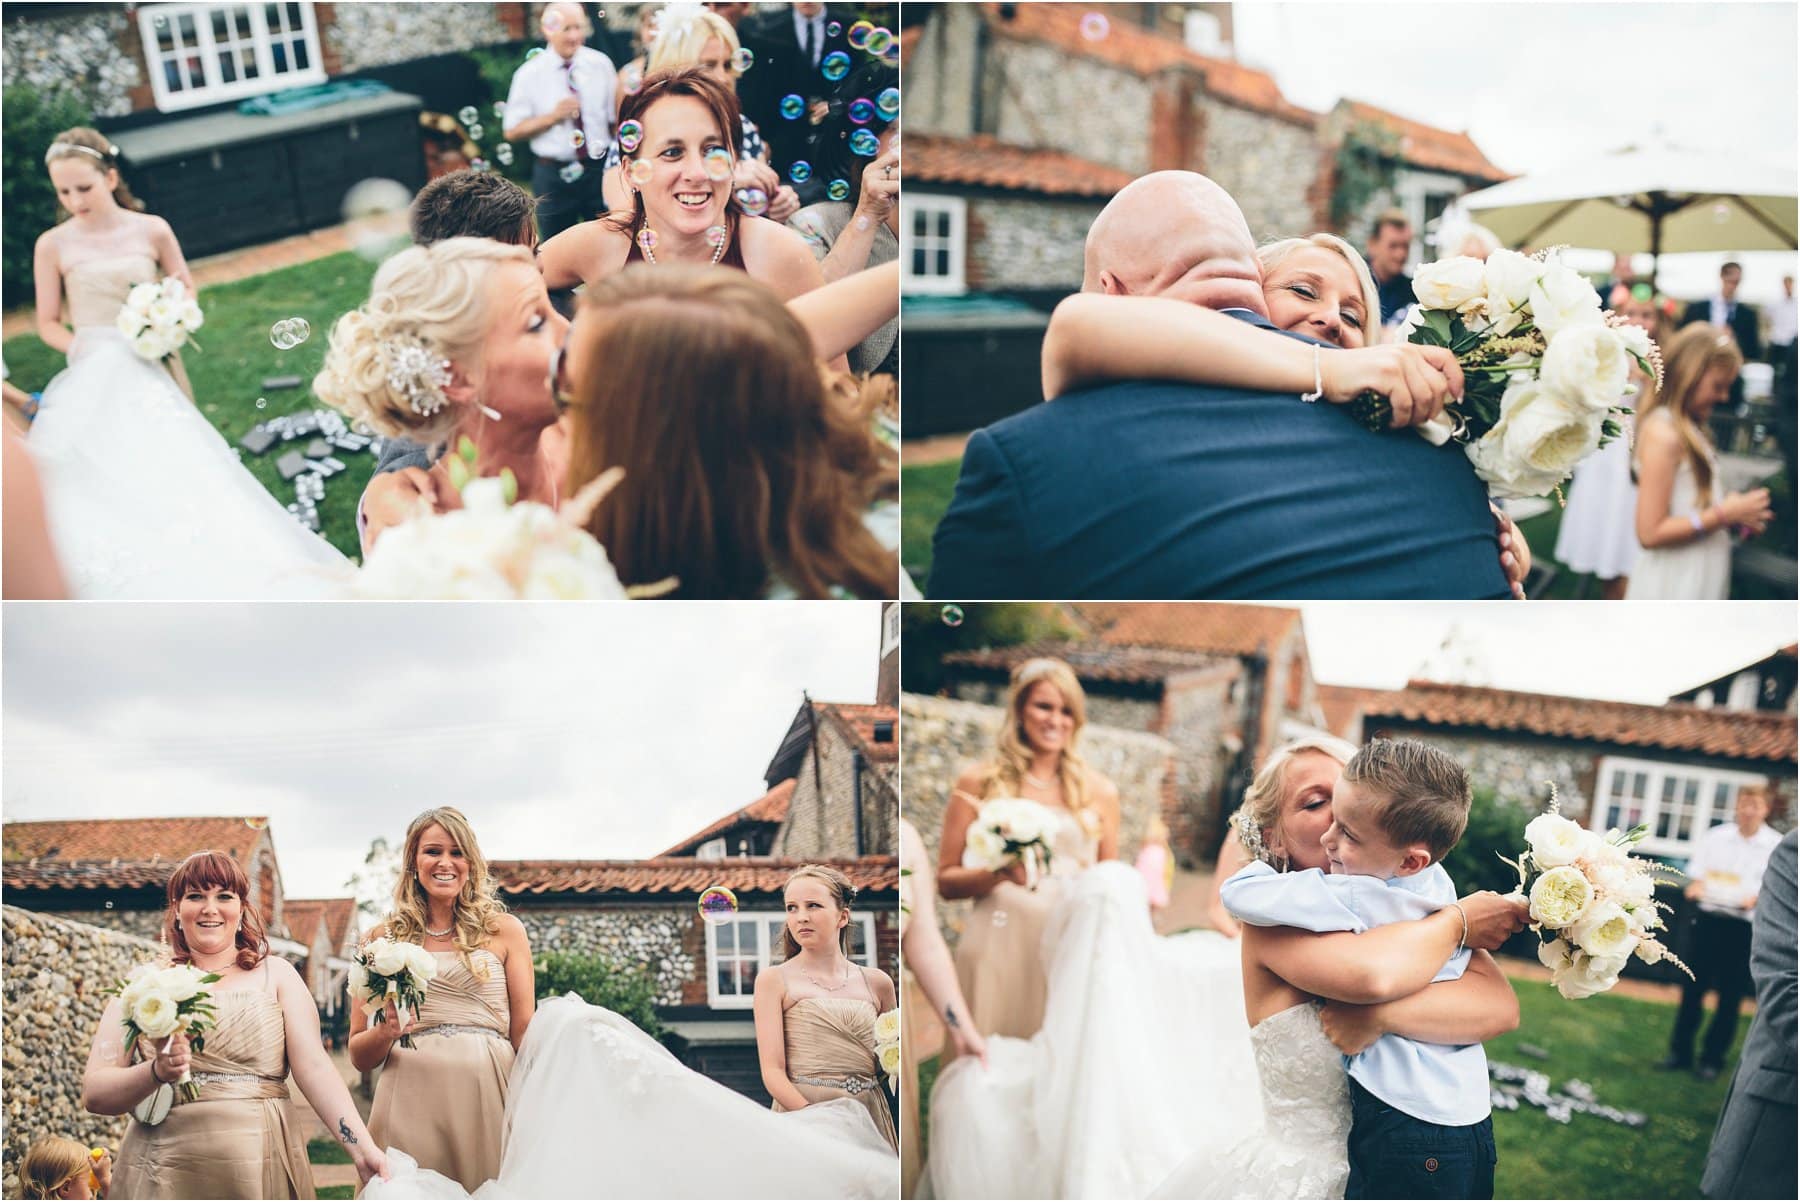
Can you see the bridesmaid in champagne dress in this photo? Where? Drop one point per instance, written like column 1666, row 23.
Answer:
column 241, row 1138
column 999, row 959
column 443, row 1100
column 815, row 1011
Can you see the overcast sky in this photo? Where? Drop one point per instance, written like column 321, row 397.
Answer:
column 562, row 731
column 1538, row 85
column 1642, row 651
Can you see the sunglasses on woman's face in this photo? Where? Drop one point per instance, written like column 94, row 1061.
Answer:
column 558, row 378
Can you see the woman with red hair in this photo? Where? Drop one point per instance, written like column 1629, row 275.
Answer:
column 237, row 1139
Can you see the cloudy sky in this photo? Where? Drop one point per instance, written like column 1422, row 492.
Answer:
column 1643, row 652
column 1538, row 85
column 561, row 730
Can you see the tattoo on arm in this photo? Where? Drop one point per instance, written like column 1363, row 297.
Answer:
column 950, row 1016
column 344, row 1135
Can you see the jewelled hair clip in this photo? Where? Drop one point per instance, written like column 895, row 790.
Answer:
column 416, row 374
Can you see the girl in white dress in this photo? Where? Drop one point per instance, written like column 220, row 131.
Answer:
column 1684, row 515
column 144, row 498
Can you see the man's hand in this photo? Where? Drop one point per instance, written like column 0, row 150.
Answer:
column 1418, row 381
column 1515, row 552
column 1350, row 1028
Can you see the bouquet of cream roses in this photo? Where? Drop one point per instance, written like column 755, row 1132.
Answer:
column 157, row 318
column 1593, row 904
column 1010, row 831
column 497, row 547
column 388, row 968
column 163, row 1000
column 887, row 1043
column 1544, row 368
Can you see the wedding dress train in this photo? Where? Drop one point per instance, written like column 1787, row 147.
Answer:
column 598, row 1109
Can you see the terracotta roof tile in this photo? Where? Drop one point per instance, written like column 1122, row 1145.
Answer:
column 306, row 914
column 1217, row 628
column 861, row 720
column 108, row 875
column 1139, row 50
column 1725, row 733
column 983, row 161
column 1428, row 146
column 770, row 807
column 134, row 839
column 303, row 919
column 677, row 875
column 1341, row 706
column 1096, row 661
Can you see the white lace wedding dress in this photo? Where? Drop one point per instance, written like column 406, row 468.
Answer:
column 144, row 499
column 1144, row 1052
column 595, row 1108
column 1301, row 1150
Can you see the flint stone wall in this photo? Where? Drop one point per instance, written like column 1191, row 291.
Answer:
column 943, row 737
column 376, row 35
column 89, row 52
column 659, row 939
column 54, row 972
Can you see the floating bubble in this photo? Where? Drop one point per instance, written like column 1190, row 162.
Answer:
column 718, row 905
column 1094, row 26
column 290, row 332
column 1721, row 213
column 572, row 172
column 952, row 615
column 716, row 235
column 476, row 131
column 376, row 211
column 861, row 111
column 999, row 918
column 553, row 21
column 631, row 79
column 499, row 109
column 832, row 29
column 835, row 66
column 646, row 239
column 838, row 189
column 891, row 55
column 718, row 164
column 578, row 139
column 504, row 152
column 888, row 103
column 859, row 34
column 478, row 164
column 753, row 201
column 792, row 106
column 865, row 143
column 743, row 59
column 640, row 171
column 533, row 53
column 879, row 41
column 800, row 172
column 468, row 115
column 630, row 134
column 257, row 824
column 109, row 905
column 262, row 402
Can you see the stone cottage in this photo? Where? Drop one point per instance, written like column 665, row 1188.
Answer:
column 326, row 928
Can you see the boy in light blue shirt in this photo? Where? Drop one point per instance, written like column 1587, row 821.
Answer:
column 1421, row 1125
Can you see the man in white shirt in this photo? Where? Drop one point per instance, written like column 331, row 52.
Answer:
column 561, row 102
column 1724, row 876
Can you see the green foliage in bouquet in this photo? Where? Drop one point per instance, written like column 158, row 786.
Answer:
column 1479, row 859
column 602, row 982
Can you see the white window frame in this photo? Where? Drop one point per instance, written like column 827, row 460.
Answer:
column 913, row 204
column 215, row 89
column 766, row 925
column 1657, row 772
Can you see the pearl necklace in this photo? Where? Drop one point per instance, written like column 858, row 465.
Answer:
column 829, row 988
column 646, row 245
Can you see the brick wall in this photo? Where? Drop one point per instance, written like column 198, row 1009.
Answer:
column 821, row 822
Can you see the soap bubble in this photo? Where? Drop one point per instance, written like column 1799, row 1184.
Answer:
column 630, row 134
column 861, row 111
column 1094, row 26
column 888, row 103
column 858, row 36
column 838, row 189
column 754, row 201
column 879, row 41
column 800, row 172
column 952, row 615
column 718, row 905
column 476, row 131
column 792, row 106
column 572, row 172
column 640, row 171
column 468, row 115
column 835, row 66
column 262, row 402
column 376, row 211
column 743, row 59
column 631, row 79
column 864, row 142
column 716, row 235
column 257, row 824
column 504, row 152
column 718, row 164
column 646, row 240
column 577, row 139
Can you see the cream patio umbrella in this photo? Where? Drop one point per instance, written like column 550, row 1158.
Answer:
column 1659, row 198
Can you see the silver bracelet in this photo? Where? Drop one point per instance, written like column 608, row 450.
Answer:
column 1318, row 391
column 1463, row 941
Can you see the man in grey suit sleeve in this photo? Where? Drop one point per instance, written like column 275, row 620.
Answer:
column 1754, row 1151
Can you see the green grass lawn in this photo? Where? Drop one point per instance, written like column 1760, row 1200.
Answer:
column 236, row 355
column 1612, row 1043
column 925, row 494
column 328, row 1151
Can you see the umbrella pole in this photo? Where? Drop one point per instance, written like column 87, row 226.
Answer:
column 1656, row 219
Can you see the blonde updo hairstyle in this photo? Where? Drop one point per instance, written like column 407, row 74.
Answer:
column 477, row 906
column 96, row 149
column 437, row 295
column 1261, row 811
column 50, row 1164
column 1272, row 254
column 682, row 35
column 1005, row 777
column 842, row 894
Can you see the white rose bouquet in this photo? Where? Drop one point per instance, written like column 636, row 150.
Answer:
column 887, row 1043
column 497, row 548
column 1009, row 831
column 1593, row 904
column 157, row 318
column 388, row 968
column 164, row 1000
column 1545, row 370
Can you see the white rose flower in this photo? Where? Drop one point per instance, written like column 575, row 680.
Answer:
column 191, row 318
column 173, row 289
column 149, row 344
column 1651, row 951
column 1451, row 284
column 1510, row 276
column 1554, row 955
column 1537, row 442
column 387, row 957
column 1589, row 363
column 131, row 323
column 142, row 296
column 1553, row 840
column 420, row 963
column 1605, row 931
column 359, row 982
column 1588, row 975
column 1562, row 300
column 1560, row 897
column 163, row 313
column 180, row 982
column 156, row 1014
column 983, row 848
column 887, row 1027
column 890, row 1059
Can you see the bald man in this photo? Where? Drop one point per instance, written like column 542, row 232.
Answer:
column 561, row 102
column 1157, row 490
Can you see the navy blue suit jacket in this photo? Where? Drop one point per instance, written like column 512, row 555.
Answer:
column 1156, row 491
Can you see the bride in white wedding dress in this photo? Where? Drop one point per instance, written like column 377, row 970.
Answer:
column 597, row 1109
column 144, row 499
